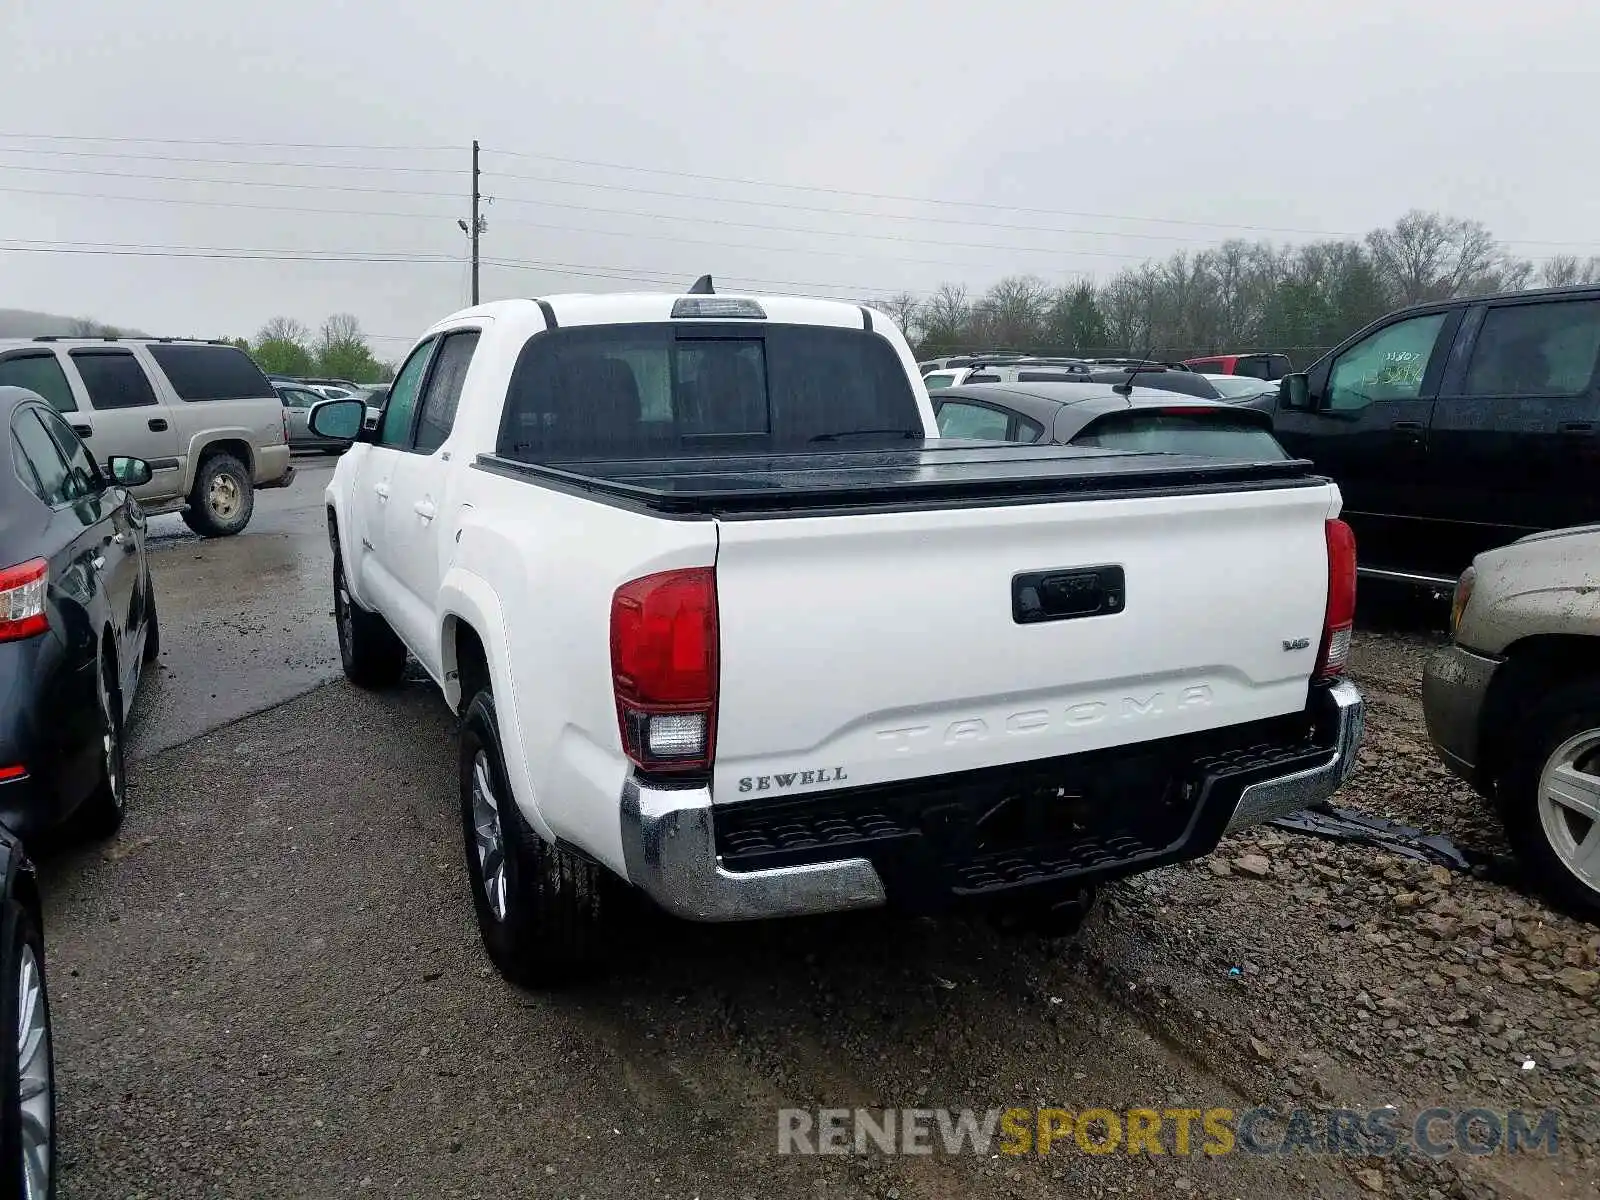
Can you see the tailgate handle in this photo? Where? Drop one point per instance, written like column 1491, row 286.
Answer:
column 1065, row 594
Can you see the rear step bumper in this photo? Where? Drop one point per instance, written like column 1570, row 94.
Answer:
column 1011, row 834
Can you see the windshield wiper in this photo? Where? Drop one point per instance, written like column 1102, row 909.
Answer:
column 904, row 435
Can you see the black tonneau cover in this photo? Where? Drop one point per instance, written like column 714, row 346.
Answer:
column 940, row 472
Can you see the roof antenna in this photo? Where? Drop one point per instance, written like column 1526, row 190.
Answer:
column 701, row 287
column 1125, row 388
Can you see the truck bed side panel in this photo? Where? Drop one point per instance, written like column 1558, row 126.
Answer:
column 554, row 561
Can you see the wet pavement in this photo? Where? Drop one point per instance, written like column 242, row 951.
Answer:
column 245, row 621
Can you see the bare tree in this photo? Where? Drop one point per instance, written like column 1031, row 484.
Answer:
column 946, row 319
column 285, row 329
column 1015, row 311
column 906, row 310
column 1564, row 270
column 1425, row 256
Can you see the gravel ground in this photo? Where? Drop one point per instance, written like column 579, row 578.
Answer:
column 270, row 985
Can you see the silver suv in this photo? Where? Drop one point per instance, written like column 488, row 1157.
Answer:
column 1513, row 703
column 200, row 413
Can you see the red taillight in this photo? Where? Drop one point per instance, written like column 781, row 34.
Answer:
column 664, row 668
column 1341, row 612
column 12, row 773
column 22, row 592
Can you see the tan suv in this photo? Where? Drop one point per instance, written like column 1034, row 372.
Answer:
column 1513, row 703
column 200, row 413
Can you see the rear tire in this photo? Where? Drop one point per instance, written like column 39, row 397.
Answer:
column 222, row 499
column 1556, row 752
column 541, row 909
column 372, row 655
column 101, row 814
column 27, row 1066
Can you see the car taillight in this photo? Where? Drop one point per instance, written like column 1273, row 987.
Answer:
column 22, row 591
column 1340, row 615
column 664, row 668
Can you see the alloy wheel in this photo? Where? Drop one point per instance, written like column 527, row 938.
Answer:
column 33, row 1076
column 487, row 836
column 1569, row 805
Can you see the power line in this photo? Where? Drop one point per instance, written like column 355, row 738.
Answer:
column 330, row 212
column 161, row 141
column 274, row 254
column 251, row 183
column 191, row 160
column 725, row 179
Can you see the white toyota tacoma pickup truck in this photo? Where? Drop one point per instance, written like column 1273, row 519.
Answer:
column 724, row 619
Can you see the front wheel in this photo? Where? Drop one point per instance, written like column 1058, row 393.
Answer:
column 1550, row 797
column 541, row 909
column 370, row 652
column 27, row 1072
column 223, row 498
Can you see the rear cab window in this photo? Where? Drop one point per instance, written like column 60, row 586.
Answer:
column 198, row 372
column 1206, row 432
column 669, row 390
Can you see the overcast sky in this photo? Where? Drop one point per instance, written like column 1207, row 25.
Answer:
column 1080, row 139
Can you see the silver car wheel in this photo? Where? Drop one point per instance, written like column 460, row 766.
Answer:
column 223, row 497
column 1569, row 805
column 33, row 1076
column 487, row 836
column 110, row 749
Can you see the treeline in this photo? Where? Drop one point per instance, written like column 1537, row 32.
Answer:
column 1241, row 295
column 337, row 350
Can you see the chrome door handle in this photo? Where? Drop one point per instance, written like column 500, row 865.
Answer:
column 424, row 509
column 98, row 562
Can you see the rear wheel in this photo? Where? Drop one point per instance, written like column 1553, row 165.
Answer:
column 27, row 1068
column 541, row 909
column 101, row 814
column 372, row 655
column 223, row 498
column 1550, row 797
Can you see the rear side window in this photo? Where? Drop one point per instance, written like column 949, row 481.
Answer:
column 113, row 378
column 939, row 380
column 40, row 373
column 614, row 391
column 1210, row 433
column 443, row 392
column 1536, row 350
column 210, row 372
column 1254, row 365
column 957, row 420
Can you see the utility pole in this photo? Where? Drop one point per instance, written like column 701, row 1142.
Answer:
column 477, row 223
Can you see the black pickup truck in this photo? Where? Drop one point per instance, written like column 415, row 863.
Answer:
column 1455, row 427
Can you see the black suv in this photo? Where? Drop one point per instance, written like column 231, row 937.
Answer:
column 1454, row 427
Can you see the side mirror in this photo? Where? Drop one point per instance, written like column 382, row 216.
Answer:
column 1294, row 391
column 129, row 472
column 341, row 419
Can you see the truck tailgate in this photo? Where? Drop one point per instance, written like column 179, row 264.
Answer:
column 864, row 647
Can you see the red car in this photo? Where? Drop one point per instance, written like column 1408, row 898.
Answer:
column 1260, row 366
